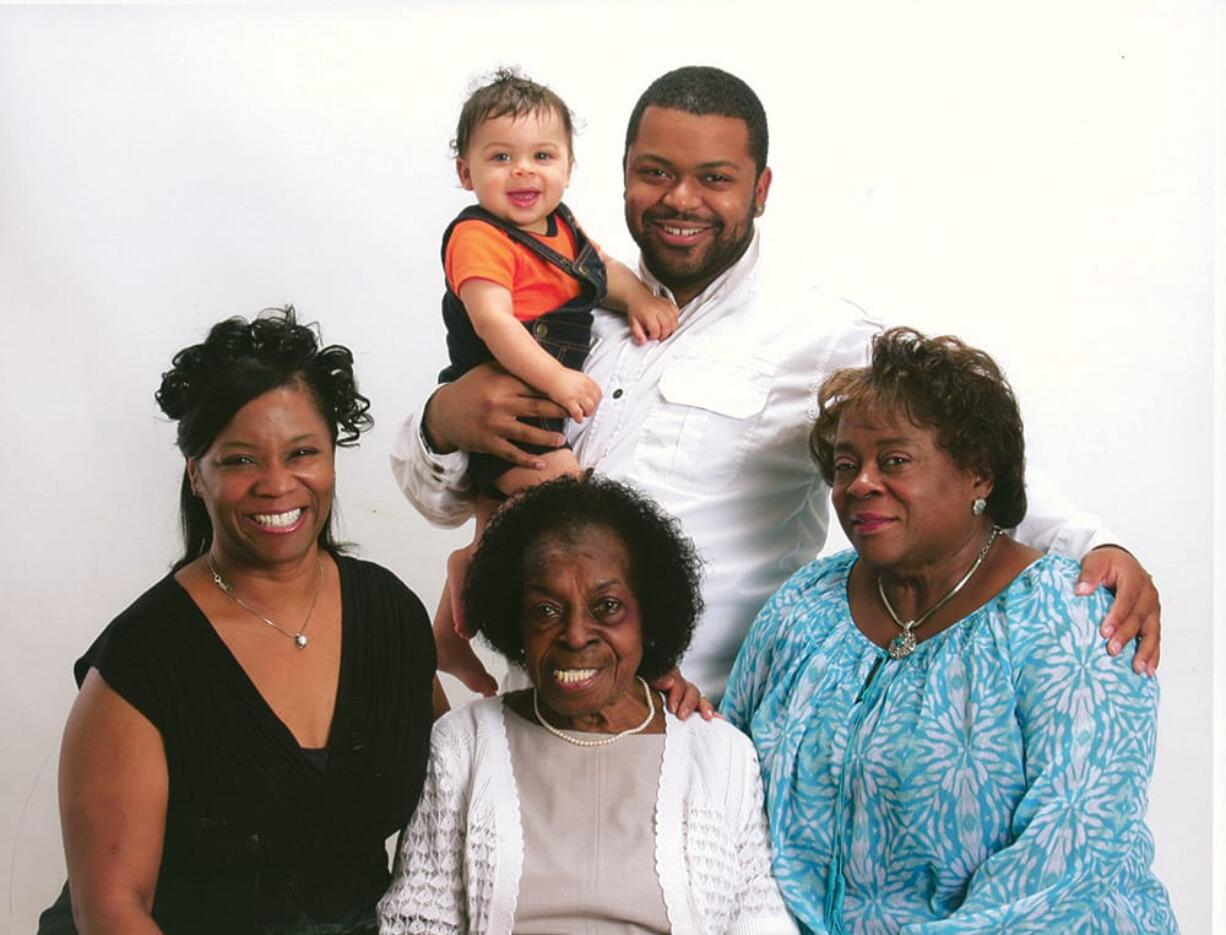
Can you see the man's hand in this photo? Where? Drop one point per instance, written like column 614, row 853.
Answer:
column 683, row 698
column 1135, row 611
column 480, row 412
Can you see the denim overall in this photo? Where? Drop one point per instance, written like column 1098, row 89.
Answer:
column 564, row 332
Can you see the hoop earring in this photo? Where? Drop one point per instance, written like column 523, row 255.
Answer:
column 978, row 505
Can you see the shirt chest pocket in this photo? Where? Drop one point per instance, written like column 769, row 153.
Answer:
column 704, row 422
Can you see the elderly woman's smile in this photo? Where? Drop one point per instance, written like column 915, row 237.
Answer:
column 583, row 637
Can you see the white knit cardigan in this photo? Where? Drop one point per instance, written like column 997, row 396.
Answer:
column 459, row 862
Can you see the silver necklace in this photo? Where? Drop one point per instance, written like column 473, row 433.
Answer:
column 300, row 637
column 651, row 713
column 904, row 644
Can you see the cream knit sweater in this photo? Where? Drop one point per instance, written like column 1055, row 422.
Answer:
column 458, row 868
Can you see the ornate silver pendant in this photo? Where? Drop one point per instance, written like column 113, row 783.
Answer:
column 902, row 645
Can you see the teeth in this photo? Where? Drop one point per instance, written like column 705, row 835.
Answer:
column 681, row 231
column 279, row 520
column 573, row 675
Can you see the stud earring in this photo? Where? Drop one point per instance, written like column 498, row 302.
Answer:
column 978, row 505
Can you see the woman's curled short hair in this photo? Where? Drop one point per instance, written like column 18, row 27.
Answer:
column 942, row 384
column 665, row 570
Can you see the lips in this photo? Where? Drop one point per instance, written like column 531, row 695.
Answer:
column 574, row 679
column 523, row 198
column 283, row 522
column 680, row 231
column 865, row 523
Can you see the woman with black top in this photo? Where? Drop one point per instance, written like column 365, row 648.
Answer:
column 252, row 729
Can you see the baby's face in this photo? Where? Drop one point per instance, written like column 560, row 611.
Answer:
column 518, row 167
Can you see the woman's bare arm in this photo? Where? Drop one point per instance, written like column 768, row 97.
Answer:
column 113, row 794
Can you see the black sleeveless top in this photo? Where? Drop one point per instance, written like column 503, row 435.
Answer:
column 262, row 835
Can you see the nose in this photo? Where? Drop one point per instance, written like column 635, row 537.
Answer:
column 682, row 195
column 864, row 483
column 274, row 480
column 576, row 632
column 524, row 165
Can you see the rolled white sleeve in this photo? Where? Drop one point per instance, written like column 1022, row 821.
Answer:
column 436, row 484
column 1054, row 524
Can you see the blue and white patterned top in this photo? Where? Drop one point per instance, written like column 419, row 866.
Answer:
column 993, row 781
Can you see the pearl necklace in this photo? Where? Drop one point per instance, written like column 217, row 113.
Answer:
column 904, row 644
column 651, row 713
column 300, row 637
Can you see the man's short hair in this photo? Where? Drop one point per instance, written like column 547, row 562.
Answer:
column 703, row 90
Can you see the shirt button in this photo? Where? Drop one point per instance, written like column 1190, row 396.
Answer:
column 540, row 329
column 617, row 393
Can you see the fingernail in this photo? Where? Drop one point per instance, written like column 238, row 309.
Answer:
column 1083, row 587
column 1113, row 647
column 1151, row 670
column 1107, row 631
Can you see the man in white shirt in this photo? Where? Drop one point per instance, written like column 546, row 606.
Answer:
column 714, row 421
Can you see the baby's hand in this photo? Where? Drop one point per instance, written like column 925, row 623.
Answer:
column 574, row 392
column 653, row 317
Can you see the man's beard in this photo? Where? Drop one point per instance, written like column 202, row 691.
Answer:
column 680, row 269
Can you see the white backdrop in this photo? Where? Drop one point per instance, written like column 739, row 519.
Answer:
column 1036, row 177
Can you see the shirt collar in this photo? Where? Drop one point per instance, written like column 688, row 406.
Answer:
column 729, row 280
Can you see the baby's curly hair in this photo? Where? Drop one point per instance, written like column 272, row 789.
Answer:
column 239, row 360
column 508, row 93
column 943, row 384
column 665, row 571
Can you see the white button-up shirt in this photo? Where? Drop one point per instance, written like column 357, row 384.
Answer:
column 714, row 424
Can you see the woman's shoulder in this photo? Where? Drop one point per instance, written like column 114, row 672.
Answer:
column 807, row 595
column 364, row 571
column 379, row 588
column 146, row 627
column 463, row 724
column 1048, row 583
column 822, row 577
column 715, row 740
column 469, row 739
column 1045, row 616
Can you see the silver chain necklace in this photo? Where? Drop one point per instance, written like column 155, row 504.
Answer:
column 904, row 644
column 651, row 713
column 300, row 637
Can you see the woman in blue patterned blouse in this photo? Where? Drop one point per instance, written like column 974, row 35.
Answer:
column 945, row 745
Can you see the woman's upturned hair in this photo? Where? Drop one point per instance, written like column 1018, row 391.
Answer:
column 239, row 360
column 941, row 384
column 665, row 570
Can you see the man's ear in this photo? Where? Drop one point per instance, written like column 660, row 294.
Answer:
column 761, row 188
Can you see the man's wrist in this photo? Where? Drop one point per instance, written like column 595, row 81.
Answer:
column 428, row 439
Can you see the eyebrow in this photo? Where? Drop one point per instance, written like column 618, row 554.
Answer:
column 504, row 144
column 530, row 585
column 894, row 440
column 305, row 436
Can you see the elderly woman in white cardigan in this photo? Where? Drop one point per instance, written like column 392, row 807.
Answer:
column 581, row 804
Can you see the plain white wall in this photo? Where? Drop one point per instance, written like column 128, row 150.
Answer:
column 1035, row 177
